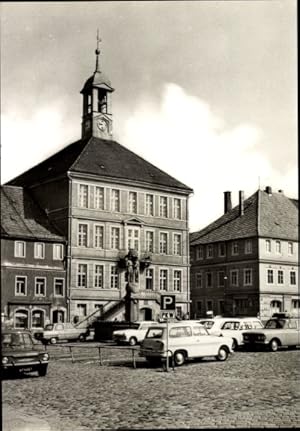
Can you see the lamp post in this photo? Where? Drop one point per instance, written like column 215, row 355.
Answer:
column 224, row 293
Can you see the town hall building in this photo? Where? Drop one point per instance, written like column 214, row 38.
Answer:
column 110, row 203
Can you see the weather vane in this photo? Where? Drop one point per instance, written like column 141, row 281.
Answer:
column 97, row 51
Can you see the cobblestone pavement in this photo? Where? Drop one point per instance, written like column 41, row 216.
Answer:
column 249, row 390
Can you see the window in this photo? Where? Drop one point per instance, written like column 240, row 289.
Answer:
column 280, row 277
column 208, row 279
column 163, row 206
column 221, row 281
column 268, row 245
column 115, row 238
column 149, row 241
column 58, row 252
column 270, row 276
column 114, row 277
column 149, row 279
column 83, row 196
column 82, row 275
column 40, row 286
column 59, row 286
column 20, row 249
column 177, row 281
column 241, row 305
column 290, row 248
column 295, row 304
column 39, row 250
column 177, row 208
column 177, row 244
column 199, row 252
column 178, row 310
column 82, row 235
column 199, row 280
column 278, row 247
column 293, row 278
column 235, row 248
column 99, row 198
column 21, row 286
column 247, row 277
column 133, row 202
column 248, row 246
column 81, row 310
column 163, row 243
column 275, row 306
column 21, row 319
column 163, row 279
column 98, row 276
column 115, row 200
column 234, row 277
column 199, row 307
column 149, row 205
column 222, row 249
column 98, row 236
column 133, row 238
column 209, row 251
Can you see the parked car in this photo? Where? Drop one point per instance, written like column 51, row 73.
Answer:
column 231, row 327
column 21, row 353
column 133, row 335
column 55, row 332
column 281, row 330
column 186, row 340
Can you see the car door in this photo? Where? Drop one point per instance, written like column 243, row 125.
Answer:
column 206, row 344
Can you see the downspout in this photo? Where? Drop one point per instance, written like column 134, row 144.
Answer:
column 188, row 258
column 69, row 250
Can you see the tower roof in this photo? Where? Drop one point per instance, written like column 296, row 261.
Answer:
column 104, row 159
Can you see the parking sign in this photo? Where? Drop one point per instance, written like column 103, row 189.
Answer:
column 167, row 302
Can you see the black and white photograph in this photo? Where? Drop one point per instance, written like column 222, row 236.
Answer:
column 149, row 215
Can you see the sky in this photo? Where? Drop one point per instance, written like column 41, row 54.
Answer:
column 204, row 90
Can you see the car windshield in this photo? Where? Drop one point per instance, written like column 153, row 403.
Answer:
column 275, row 324
column 48, row 327
column 208, row 324
column 15, row 340
column 155, row 333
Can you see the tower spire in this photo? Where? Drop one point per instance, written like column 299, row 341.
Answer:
column 97, row 52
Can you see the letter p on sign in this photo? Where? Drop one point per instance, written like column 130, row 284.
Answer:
column 167, row 302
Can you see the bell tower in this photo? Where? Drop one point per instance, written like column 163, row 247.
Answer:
column 96, row 115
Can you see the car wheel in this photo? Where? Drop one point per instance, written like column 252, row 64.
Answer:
column 222, row 353
column 42, row 371
column 179, row 358
column 274, row 345
column 234, row 344
column 81, row 337
column 132, row 341
column 53, row 340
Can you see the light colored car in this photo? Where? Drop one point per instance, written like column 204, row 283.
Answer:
column 281, row 330
column 133, row 335
column 21, row 353
column 55, row 332
column 231, row 327
column 186, row 341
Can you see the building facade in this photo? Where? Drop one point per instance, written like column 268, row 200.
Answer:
column 107, row 202
column 246, row 262
column 33, row 273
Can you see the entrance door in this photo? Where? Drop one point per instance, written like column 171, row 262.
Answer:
column 146, row 314
column 58, row 316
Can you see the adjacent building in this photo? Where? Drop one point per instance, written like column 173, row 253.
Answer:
column 33, row 272
column 246, row 262
column 108, row 201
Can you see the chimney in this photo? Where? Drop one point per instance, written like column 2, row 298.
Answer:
column 227, row 202
column 241, row 202
column 269, row 190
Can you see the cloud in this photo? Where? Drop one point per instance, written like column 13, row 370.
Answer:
column 184, row 137
column 28, row 138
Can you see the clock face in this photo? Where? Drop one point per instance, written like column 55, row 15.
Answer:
column 101, row 124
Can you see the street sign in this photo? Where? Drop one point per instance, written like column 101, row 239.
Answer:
column 167, row 302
